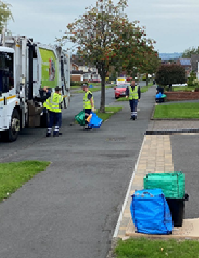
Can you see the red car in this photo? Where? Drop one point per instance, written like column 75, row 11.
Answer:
column 120, row 90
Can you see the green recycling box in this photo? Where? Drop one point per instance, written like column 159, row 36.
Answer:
column 80, row 118
column 172, row 184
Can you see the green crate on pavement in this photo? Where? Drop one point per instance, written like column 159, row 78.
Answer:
column 80, row 118
column 172, row 184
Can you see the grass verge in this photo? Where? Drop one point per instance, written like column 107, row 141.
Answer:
column 146, row 88
column 148, row 248
column 177, row 110
column 95, row 89
column 109, row 111
column 75, row 87
column 182, row 88
column 15, row 174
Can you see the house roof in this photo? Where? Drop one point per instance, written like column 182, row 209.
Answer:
column 185, row 61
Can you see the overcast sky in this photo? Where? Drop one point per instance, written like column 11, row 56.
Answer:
column 172, row 23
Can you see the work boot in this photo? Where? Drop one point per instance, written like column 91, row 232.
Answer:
column 48, row 135
column 133, row 117
column 56, row 134
column 60, row 133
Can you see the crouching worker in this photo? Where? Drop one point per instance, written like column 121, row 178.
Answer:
column 88, row 104
column 54, row 104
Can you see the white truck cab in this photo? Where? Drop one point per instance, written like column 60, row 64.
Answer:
column 25, row 68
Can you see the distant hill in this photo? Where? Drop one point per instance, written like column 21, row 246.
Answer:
column 167, row 56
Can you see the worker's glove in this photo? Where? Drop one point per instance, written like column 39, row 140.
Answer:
column 93, row 110
column 126, row 97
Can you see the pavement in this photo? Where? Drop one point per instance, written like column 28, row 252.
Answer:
column 71, row 209
column 166, row 153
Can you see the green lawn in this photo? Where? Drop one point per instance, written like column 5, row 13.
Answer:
column 182, row 88
column 106, row 115
column 148, row 248
column 75, row 87
column 95, row 89
column 15, row 174
column 177, row 110
column 146, row 88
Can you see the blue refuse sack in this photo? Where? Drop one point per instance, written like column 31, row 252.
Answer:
column 150, row 212
column 158, row 95
column 95, row 121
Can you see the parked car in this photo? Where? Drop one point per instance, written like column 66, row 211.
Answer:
column 120, row 90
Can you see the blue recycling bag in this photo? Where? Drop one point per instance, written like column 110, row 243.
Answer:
column 95, row 121
column 150, row 212
column 158, row 95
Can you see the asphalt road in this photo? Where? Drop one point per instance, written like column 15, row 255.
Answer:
column 185, row 158
column 29, row 136
column 71, row 209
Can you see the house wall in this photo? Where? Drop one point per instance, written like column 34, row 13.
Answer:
column 172, row 96
column 76, row 77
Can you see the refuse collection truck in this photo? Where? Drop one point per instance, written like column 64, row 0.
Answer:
column 25, row 68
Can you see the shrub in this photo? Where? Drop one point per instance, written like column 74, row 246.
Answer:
column 191, row 79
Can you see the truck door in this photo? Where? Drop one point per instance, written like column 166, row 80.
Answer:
column 6, row 88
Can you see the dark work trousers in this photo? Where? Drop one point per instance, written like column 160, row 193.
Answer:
column 54, row 119
column 60, row 120
column 133, row 105
column 87, row 113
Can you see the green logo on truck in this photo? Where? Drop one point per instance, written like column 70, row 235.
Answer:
column 49, row 69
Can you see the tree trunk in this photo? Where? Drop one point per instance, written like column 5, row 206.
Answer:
column 147, row 79
column 102, row 106
column 170, row 87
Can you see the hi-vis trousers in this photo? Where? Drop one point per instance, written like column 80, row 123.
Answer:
column 54, row 119
column 133, row 105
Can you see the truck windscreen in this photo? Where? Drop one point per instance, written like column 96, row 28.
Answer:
column 6, row 72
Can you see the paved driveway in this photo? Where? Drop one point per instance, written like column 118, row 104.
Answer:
column 185, row 157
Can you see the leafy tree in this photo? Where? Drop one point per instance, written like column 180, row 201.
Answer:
column 170, row 74
column 5, row 14
column 150, row 62
column 190, row 51
column 106, row 39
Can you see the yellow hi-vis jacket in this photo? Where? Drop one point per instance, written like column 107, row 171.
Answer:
column 87, row 102
column 133, row 94
column 53, row 103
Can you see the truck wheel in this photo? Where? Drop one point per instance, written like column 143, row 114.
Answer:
column 11, row 134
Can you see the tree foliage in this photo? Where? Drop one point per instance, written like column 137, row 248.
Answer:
column 170, row 74
column 190, row 51
column 5, row 14
column 107, row 39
